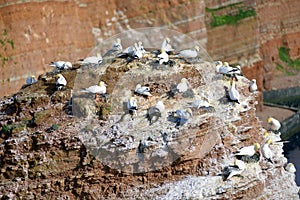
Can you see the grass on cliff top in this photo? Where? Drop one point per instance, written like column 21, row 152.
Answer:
column 230, row 19
column 291, row 66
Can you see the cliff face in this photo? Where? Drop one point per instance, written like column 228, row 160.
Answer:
column 66, row 144
column 44, row 31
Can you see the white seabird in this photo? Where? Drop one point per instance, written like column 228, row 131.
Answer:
column 253, row 86
column 31, row 80
column 225, row 69
column 199, row 102
column 132, row 106
column 189, row 53
column 182, row 116
column 290, row 167
column 233, row 93
column 116, row 48
column 238, row 167
column 166, row 45
column 94, row 60
column 96, row 89
column 141, row 47
column 266, row 151
column 274, row 124
column 155, row 111
column 183, row 86
column 249, row 150
column 143, row 90
column 61, row 65
column 163, row 57
column 60, row 82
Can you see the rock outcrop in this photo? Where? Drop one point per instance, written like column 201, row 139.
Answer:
column 65, row 144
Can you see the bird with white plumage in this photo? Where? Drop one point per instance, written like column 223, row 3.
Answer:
column 60, row 82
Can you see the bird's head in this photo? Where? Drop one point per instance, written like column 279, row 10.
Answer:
column 59, row 75
column 102, row 83
column 226, row 64
column 253, row 81
column 33, row 76
column 266, row 134
column 197, row 48
column 256, row 146
column 168, row 40
column 270, row 141
column 270, row 119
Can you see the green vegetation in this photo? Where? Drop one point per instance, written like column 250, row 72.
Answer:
column 4, row 43
column 291, row 66
column 230, row 19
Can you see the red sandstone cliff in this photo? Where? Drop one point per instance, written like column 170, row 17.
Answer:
column 44, row 31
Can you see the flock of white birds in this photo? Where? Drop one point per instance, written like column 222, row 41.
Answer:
column 136, row 51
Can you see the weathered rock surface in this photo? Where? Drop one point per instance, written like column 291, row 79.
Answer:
column 52, row 146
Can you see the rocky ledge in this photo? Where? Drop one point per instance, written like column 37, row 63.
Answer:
column 70, row 145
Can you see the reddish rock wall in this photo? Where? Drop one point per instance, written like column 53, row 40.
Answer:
column 65, row 30
column 44, row 31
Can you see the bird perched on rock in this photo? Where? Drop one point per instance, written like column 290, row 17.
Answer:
column 142, row 90
column 60, row 82
column 116, row 49
column 189, row 53
column 93, row 60
column 266, row 151
column 199, row 102
column 132, row 106
column 249, row 150
column 155, row 112
column 183, row 86
column 61, row 65
column 96, row 89
column 253, row 86
column 234, row 170
column 290, row 167
column 227, row 70
column 274, row 124
column 180, row 117
column 166, row 45
column 163, row 57
column 31, row 80
column 233, row 93
column 141, row 47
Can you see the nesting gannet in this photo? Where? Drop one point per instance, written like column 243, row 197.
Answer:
column 225, row 69
column 61, row 65
column 183, row 86
column 266, row 151
column 233, row 93
column 234, row 170
column 274, row 124
column 249, row 150
column 116, row 49
column 189, row 53
column 199, row 102
column 155, row 111
column 60, row 82
column 141, row 47
column 163, row 57
column 180, row 117
column 253, row 86
column 96, row 89
column 31, row 80
column 138, row 52
column 142, row 90
column 94, row 60
column 166, row 45
column 290, row 167
column 132, row 106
